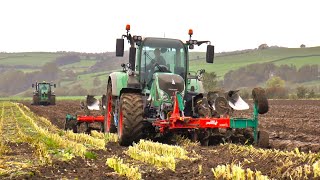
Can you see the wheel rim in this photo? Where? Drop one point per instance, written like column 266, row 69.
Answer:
column 120, row 123
column 108, row 113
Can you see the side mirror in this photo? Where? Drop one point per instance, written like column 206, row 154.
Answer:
column 54, row 85
column 120, row 47
column 32, row 86
column 132, row 57
column 210, row 54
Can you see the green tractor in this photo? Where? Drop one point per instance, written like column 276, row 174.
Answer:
column 43, row 94
column 155, row 95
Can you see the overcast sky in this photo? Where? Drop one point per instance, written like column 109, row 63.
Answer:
column 94, row 25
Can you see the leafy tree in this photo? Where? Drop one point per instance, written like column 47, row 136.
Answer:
column 248, row 76
column 312, row 94
column 275, row 82
column 301, row 92
column 209, row 81
column 49, row 71
column 276, row 88
column 263, row 46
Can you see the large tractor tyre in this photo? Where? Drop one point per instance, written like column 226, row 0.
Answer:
column 35, row 100
column 263, row 139
column 53, row 100
column 131, row 127
column 108, row 123
column 260, row 98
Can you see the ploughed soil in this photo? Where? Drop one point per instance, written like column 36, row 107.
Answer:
column 290, row 124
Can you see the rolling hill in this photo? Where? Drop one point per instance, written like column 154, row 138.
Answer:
column 231, row 61
column 90, row 67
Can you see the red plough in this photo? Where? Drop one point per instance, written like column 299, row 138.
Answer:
column 178, row 121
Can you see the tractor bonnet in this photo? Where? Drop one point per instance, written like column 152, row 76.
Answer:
column 170, row 83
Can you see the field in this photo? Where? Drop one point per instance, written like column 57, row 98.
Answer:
column 226, row 62
column 28, row 58
column 33, row 145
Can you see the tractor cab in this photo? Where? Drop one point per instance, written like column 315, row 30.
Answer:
column 44, row 88
column 160, row 55
column 159, row 65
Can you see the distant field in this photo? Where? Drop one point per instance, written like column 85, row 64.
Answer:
column 32, row 59
column 81, row 66
column 298, row 62
column 223, row 64
column 86, row 80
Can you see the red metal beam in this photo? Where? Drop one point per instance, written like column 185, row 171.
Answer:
column 90, row 119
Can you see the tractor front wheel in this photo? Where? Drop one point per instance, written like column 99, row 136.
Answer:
column 35, row 100
column 131, row 126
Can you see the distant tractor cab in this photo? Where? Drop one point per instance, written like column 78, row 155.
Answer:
column 43, row 94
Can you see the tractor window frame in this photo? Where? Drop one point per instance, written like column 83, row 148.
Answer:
column 173, row 51
column 41, row 85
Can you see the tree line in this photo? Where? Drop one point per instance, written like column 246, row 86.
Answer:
column 255, row 74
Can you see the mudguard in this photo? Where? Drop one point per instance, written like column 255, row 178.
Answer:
column 119, row 81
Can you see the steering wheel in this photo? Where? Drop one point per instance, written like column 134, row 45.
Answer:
column 161, row 68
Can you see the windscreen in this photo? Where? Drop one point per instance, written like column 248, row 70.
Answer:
column 44, row 88
column 168, row 53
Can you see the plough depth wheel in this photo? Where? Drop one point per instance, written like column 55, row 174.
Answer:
column 260, row 98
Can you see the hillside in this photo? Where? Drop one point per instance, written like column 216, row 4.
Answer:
column 231, row 61
column 223, row 61
column 89, row 66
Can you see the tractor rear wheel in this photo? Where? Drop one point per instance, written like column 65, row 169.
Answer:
column 108, row 123
column 260, row 98
column 53, row 100
column 131, row 126
column 263, row 139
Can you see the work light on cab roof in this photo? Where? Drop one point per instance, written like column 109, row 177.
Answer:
column 128, row 27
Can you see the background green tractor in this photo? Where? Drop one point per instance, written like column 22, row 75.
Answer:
column 43, row 94
column 143, row 92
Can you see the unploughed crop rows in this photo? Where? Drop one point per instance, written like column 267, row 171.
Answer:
column 284, row 164
column 247, row 163
column 19, row 125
